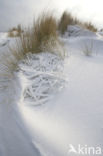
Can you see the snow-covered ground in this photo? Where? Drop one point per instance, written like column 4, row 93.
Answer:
column 53, row 104
column 3, row 39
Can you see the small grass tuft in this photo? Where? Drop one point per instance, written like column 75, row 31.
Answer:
column 15, row 31
column 90, row 27
column 88, row 49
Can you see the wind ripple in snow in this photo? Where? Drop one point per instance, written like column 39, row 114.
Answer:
column 44, row 75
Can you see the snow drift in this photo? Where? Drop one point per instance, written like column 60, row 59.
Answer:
column 71, row 90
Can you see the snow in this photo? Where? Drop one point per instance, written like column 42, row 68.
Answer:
column 14, row 138
column 75, row 31
column 75, row 115
column 3, row 39
column 52, row 103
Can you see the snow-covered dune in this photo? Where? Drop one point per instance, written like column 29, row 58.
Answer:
column 53, row 104
column 74, row 116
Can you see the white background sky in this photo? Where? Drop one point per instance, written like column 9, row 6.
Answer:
column 13, row 12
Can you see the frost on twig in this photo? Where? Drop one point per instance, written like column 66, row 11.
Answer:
column 44, row 73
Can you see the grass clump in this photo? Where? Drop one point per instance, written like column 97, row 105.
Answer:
column 41, row 37
column 15, row 31
column 45, row 31
column 90, row 27
column 68, row 19
column 65, row 20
